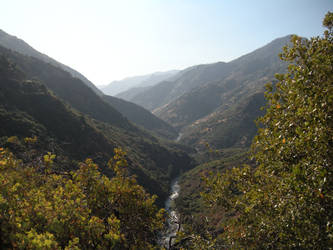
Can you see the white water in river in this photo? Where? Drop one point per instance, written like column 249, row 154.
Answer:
column 173, row 215
column 170, row 208
column 180, row 135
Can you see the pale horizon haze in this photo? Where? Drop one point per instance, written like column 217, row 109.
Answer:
column 111, row 40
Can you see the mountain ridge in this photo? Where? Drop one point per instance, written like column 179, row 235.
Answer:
column 118, row 87
column 51, row 113
column 196, row 76
column 142, row 117
column 16, row 44
column 201, row 113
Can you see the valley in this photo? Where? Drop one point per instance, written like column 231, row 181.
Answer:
column 198, row 117
column 214, row 156
column 213, row 107
column 68, row 106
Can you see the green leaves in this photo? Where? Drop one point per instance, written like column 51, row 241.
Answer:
column 287, row 201
column 77, row 210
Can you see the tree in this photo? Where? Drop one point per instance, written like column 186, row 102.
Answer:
column 41, row 208
column 287, row 200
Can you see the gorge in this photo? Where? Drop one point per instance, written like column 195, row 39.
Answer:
column 226, row 155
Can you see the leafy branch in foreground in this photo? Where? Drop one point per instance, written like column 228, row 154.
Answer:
column 82, row 209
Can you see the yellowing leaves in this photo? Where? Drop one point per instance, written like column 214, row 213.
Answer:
column 3, row 162
column 48, row 159
column 30, row 140
column 288, row 175
column 83, row 209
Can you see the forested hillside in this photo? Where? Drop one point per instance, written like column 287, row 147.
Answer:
column 45, row 208
column 142, row 117
column 72, row 121
column 235, row 155
column 221, row 109
column 283, row 198
column 216, row 103
column 18, row 45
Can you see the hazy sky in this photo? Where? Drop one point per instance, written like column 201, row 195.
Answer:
column 107, row 40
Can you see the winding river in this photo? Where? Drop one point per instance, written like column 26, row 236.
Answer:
column 180, row 135
column 173, row 215
column 169, row 205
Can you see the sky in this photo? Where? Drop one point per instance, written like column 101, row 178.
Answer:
column 108, row 40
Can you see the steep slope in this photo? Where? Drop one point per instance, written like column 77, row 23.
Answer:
column 129, row 94
column 197, row 76
column 158, row 77
column 78, row 95
column 142, row 117
column 191, row 106
column 18, row 45
column 154, row 96
column 29, row 108
column 183, row 82
column 227, row 128
column 117, row 87
column 217, row 111
column 69, row 89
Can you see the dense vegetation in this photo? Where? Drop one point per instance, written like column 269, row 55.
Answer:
column 286, row 201
column 70, row 120
column 66, row 83
column 142, row 117
column 71, row 90
column 41, row 208
column 191, row 207
column 228, row 127
column 51, row 198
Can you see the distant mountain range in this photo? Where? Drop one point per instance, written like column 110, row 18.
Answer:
column 222, row 110
column 216, row 103
column 119, row 88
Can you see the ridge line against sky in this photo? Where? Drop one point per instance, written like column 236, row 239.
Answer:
column 111, row 40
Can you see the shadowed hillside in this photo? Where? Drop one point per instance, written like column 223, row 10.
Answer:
column 18, row 45
column 221, row 111
column 142, row 117
column 38, row 107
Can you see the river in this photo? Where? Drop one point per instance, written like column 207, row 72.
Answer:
column 173, row 215
column 180, row 135
column 169, row 205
